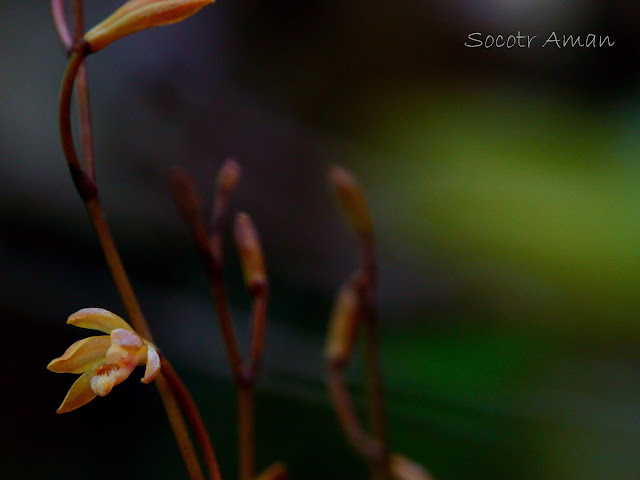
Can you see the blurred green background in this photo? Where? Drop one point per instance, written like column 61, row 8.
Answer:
column 504, row 185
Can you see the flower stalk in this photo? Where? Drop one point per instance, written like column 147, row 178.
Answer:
column 357, row 304
column 208, row 242
column 194, row 418
column 60, row 22
column 176, row 399
column 355, row 309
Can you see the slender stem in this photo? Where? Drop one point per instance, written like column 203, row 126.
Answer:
column 82, row 96
column 187, row 200
column 246, row 440
column 118, row 272
column 219, row 214
column 64, row 112
column 209, row 244
column 180, row 431
column 342, row 404
column 258, row 326
column 353, row 203
column 84, row 111
column 193, row 417
column 88, row 192
column 375, row 392
column 60, row 22
column 223, row 311
column 246, row 388
column 78, row 20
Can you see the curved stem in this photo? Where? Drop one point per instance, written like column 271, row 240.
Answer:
column 60, row 22
column 116, row 267
column 179, row 428
column 342, row 404
column 82, row 96
column 64, row 108
column 84, row 112
column 187, row 201
column 353, row 203
column 190, row 410
column 88, row 192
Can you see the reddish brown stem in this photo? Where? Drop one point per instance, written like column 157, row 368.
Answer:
column 87, row 190
column 179, row 428
column 258, row 326
column 209, row 245
column 187, row 200
column 375, row 394
column 246, row 440
column 194, row 418
column 246, row 422
column 354, row 205
column 347, row 417
column 82, row 96
column 60, row 22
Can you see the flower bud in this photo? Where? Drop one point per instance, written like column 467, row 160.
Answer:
column 250, row 251
column 136, row 15
column 403, row 468
column 276, row 471
column 228, row 176
column 343, row 325
column 351, row 200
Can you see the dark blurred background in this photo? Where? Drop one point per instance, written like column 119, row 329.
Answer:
column 504, row 184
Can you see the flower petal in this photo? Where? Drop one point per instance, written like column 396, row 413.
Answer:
column 82, row 355
column 79, row 394
column 98, row 319
column 123, row 343
column 153, row 365
column 108, row 376
column 126, row 338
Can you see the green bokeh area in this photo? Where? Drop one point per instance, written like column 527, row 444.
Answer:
column 529, row 183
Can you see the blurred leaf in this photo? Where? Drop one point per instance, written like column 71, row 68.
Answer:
column 518, row 181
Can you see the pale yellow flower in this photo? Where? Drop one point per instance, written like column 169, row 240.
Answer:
column 105, row 360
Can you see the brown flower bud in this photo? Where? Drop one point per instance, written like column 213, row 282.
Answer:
column 228, row 176
column 250, row 251
column 343, row 325
column 227, row 179
column 136, row 15
column 403, row 468
column 276, row 471
column 351, row 200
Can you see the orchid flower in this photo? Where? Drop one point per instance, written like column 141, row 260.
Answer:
column 105, row 360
